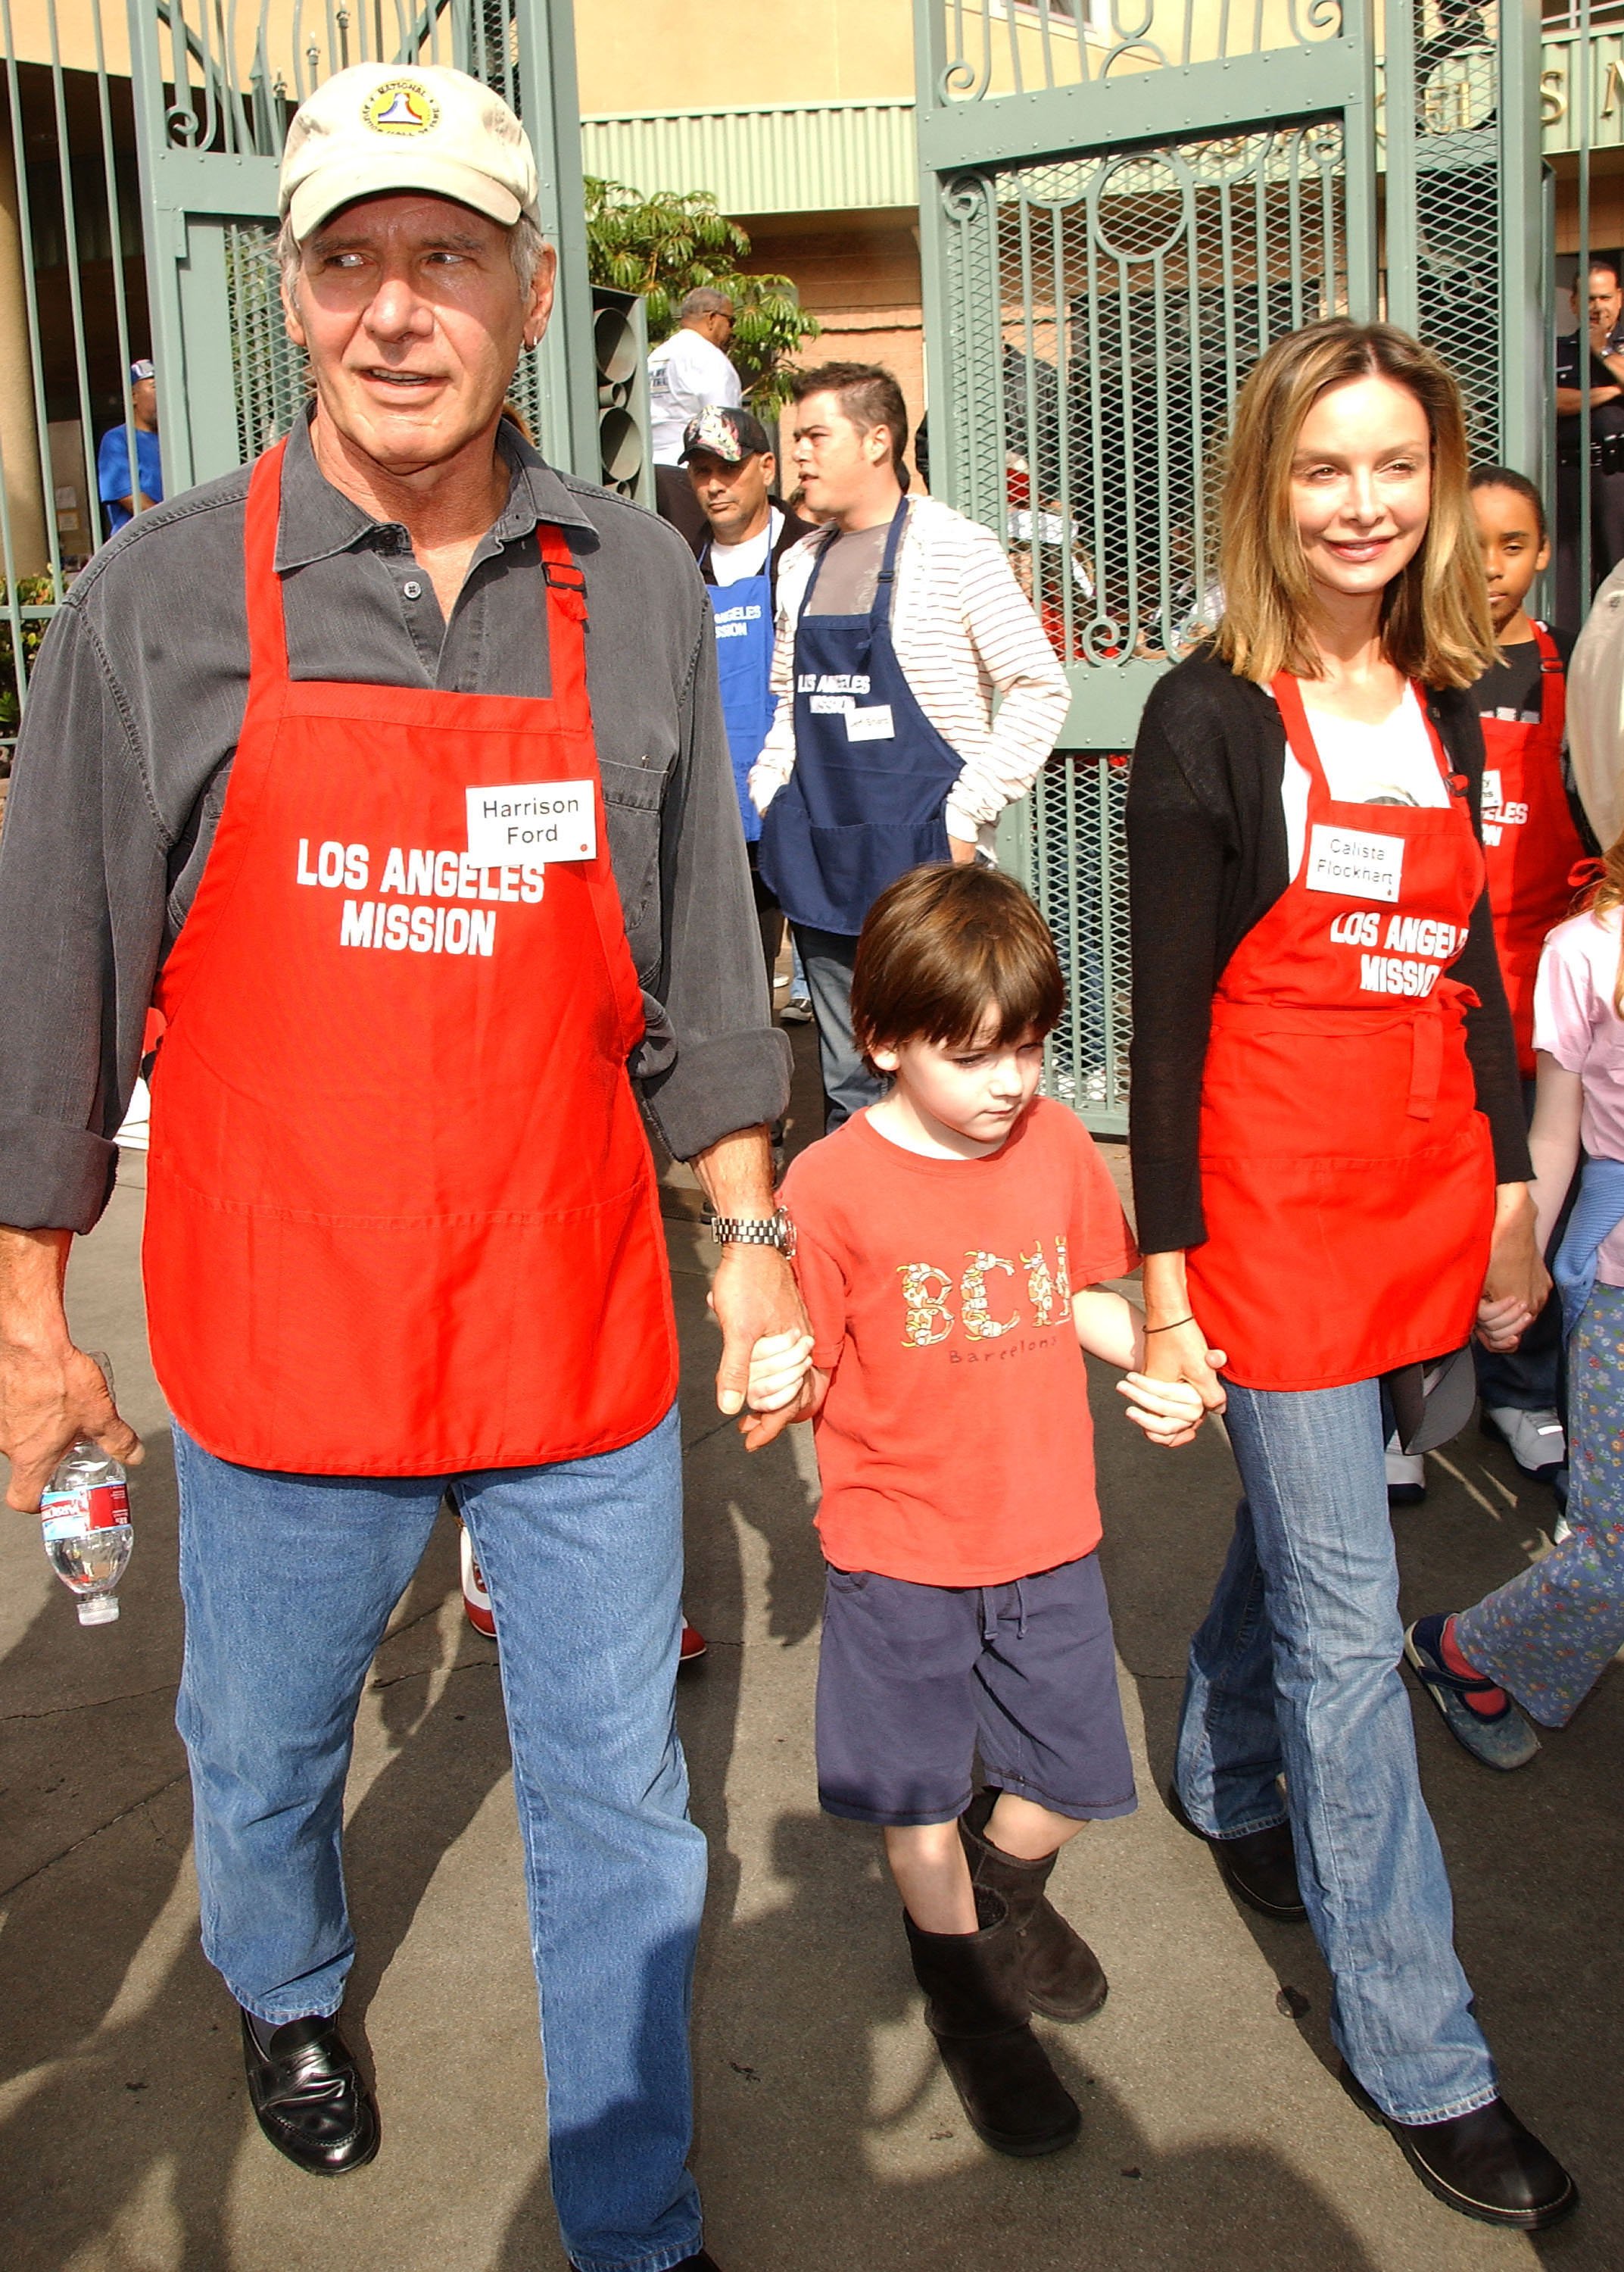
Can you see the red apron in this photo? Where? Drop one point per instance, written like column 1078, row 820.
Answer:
column 1347, row 1178
column 1530, row 843
column 401, row 1214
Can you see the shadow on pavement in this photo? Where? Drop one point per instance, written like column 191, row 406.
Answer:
column 1535, row 1858
column 808, row 2129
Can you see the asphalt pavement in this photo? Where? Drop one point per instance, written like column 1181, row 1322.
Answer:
column 1216, row 2136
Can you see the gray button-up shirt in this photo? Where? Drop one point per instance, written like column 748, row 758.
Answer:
column 133, row 716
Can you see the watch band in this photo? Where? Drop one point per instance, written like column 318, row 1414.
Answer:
column 759, row 1230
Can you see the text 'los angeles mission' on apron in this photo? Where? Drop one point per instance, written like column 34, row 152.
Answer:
column 402, row 1218
column 1530, row 843
column 1347, row 1176
column 866, row 800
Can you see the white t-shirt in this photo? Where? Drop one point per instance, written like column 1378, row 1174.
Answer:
column 733, row 564
column 1388, row 764
column 685, row 373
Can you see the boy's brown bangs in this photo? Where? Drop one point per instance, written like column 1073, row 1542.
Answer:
column 940, row 944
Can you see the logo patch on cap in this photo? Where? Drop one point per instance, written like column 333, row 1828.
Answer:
column 401, row 106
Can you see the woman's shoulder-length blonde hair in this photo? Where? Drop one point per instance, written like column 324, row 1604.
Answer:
column 1435, row 622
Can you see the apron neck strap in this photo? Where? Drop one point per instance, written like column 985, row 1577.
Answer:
column 1300, row 740
column 267, row 630
column 885, row 582
column 1553, row 682
column 566, row 613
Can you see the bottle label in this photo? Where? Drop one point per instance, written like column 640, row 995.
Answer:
column 94, row 1506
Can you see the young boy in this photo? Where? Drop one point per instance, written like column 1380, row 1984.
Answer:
column 939, row 1234
column 1531, row 843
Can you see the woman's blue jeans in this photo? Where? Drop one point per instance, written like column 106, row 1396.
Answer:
column 289, row 1582
column 1295, row 1672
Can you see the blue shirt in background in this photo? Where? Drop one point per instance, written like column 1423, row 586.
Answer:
column 113, row 471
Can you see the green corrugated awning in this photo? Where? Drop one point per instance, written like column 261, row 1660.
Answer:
column 814, row 157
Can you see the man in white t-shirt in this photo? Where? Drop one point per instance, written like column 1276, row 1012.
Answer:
column 690, row 371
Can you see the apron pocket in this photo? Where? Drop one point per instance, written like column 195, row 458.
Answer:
column 856, row 864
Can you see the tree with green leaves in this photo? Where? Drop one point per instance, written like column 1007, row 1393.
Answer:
column 666, row 245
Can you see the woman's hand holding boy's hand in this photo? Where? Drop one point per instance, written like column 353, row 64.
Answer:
column 783, row 1387
column 1169, row 1411
column 1516, row 1274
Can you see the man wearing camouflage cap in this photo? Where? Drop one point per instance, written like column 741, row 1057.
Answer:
column 424, row 881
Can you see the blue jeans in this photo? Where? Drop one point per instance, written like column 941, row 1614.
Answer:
column 288, row 1582
column 1295, row 1672
column 827, row 957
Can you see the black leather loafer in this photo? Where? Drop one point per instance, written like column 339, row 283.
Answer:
column 1260, row 1867
column 1486, row 2163
column 309, row 2097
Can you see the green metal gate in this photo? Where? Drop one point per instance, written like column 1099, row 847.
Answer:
column 1123, row 202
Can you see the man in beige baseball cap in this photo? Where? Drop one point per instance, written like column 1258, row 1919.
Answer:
column 378, row 128
column 465, row 884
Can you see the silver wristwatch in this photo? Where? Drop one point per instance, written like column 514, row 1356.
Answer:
column 761, row 1231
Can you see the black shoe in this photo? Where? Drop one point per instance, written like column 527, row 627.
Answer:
column 1260, row 1866
column 309, row 2097
column 977, row 2010
column 1063, row 1977
column 1486, row 2163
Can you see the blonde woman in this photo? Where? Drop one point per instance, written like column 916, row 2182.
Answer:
column 1539, row 1644
column 1331, row 1174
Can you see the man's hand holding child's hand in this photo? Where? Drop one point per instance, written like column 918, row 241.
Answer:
column 781, row 1380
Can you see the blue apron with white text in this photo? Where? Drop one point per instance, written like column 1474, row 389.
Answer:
column 743, row 613
column 866, row 800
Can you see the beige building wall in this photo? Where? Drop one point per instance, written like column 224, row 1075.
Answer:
column 859, row 274
column 683, row 55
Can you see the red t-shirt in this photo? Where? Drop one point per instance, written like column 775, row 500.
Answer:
column 955, row 1443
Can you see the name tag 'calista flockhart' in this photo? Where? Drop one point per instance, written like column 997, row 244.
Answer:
column 1354, row 865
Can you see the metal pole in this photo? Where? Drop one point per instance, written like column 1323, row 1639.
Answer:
column 1403, row 237
column 930, row 63
column 552, row 114
column 1525, row 378
column 1582, row 289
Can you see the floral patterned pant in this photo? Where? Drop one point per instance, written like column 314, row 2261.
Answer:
column 1549, row 1634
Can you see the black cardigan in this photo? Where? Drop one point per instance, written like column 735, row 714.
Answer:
column 1207, row 860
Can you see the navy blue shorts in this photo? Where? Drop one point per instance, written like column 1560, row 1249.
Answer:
column 915, row 1681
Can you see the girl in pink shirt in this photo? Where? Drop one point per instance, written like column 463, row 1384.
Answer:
column 1533, row 1649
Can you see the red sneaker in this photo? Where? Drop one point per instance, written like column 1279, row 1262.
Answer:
column 475, row 1600
column 694, row 1645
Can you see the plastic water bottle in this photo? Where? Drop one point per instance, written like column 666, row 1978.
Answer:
column 84, row 1516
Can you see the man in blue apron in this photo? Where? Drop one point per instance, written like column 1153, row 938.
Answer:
column 897, row 623
column 731, row 467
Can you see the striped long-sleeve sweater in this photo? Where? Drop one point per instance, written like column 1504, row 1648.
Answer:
column 963, row 630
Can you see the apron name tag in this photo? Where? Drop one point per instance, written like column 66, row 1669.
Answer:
column 1356, row 866
column 535, row 820
column 871, row 724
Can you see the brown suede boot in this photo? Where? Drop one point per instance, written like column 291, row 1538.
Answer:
column 1061, row 1974
column 977, row 2010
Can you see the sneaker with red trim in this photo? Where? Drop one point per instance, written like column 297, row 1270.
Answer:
column 475, row 1600
column 694, row 1645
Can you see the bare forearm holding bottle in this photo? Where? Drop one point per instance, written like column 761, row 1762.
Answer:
column 50, row 1392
